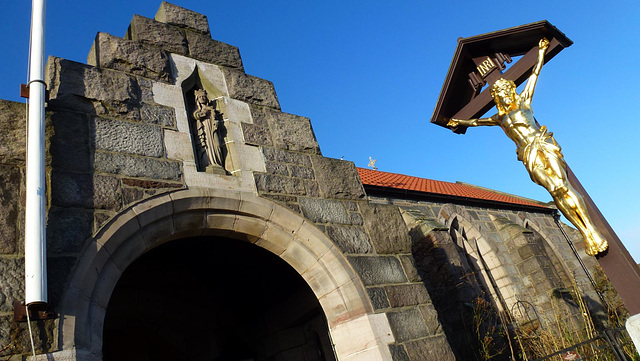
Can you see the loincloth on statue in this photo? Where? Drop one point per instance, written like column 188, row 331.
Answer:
column 542, row 151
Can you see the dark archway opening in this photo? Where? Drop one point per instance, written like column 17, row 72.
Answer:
column 212, row 298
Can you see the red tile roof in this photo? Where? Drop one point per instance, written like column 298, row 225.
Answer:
column 401, row 181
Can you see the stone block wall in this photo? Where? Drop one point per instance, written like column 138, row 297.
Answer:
column 522, row 253
column 374, row 237
column 106, row 153
column 12, row 157
column 12, row 203
column 444, row 270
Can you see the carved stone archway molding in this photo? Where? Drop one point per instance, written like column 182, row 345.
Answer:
column 357, row 333
column 559, row 247
column 568, row 260
column 489, row 252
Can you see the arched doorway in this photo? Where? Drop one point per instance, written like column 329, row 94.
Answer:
column 213, row 298
column 356, row 331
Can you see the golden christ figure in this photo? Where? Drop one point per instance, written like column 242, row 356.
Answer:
column 538, row 150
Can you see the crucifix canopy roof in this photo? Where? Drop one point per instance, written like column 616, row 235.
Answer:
column 459, row 98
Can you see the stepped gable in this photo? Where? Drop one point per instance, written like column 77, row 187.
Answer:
column 175, row 15
column 174, row 30
column 401, row 181
column 144, row 51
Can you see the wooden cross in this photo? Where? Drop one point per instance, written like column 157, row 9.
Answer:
column 477, row 63
column 479, row 60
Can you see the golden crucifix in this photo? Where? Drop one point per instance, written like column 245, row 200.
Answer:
column 538, row 150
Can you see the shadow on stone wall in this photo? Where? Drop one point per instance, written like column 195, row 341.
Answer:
column 70, row 219
column 447, row 284
column 14, row 337
column 457, row 294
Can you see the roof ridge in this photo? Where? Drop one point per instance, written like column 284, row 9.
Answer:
column 458, row 189
column 506, row 194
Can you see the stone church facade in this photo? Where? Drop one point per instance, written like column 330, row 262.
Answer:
column 189, row 217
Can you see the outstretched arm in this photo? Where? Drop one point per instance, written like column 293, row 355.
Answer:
column 494, row 120
column 527, row 93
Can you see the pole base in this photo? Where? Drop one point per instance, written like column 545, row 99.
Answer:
column 633, row 327
column 37, row 311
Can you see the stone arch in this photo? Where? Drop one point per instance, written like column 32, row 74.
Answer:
column 232, row 214
column 444, row 269
column 560, row 258
column 496, row 267
column 563, row 252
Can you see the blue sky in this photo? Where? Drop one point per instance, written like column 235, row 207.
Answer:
column 368, row 74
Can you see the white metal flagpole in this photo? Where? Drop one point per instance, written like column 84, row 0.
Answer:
column 35, row 231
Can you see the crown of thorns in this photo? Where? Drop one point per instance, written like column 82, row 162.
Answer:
column 502, row 84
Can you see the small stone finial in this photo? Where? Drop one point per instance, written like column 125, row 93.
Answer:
column 175, row 15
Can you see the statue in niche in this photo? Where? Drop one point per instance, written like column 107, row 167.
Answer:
column 209, row 128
